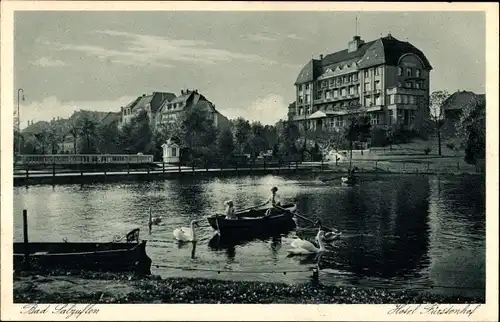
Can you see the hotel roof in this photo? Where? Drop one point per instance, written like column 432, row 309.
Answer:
column 387, row 50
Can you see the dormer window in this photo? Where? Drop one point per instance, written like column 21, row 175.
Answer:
column 408, row 72
column 418, row 72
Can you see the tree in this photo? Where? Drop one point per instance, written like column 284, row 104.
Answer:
column 225, row 144
column 87, row 130
column 287, row 137
column 74, row 130
column 359, row 129
column 257, row 139
column 241, row 133
column 198, row 133
column 41, row 139
column 436, row 116
column 472, row 129
column 107, row 138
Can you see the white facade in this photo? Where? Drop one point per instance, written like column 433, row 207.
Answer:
column 171, row 152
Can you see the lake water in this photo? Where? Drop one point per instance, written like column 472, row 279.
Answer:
column 399, row 231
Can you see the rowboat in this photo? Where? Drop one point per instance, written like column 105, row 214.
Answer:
column 256, row 220
column 117, row 256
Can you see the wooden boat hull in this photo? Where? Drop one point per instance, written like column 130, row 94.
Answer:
column 102, row 257
column 255, row 221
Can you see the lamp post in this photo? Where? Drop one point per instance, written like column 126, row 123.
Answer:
column 19, row 120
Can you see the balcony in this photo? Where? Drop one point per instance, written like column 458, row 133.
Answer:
column 404, row 90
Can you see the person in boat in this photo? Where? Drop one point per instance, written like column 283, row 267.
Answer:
column 273, row 199
column 351, row 172
column 230, row 210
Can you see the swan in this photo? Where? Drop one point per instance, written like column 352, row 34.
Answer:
column 185, row 234
column 304, row 247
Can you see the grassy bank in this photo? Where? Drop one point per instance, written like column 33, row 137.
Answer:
column 109, row 288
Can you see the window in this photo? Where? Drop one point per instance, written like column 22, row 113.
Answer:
column 413, row 99
column 174, row 152
column 344, row 91
column 357, row 89
column 408, row 72
column 328, row 95
column 307, row 87
column 351, row 90
column 368, row 88
column 301, row 100
column 367, row 73
column 400, row 71
column 368, row 101
column 417, row 85
column 418, row 72
column 335, row 93
column 346, row 79
column 307, row 98
column 392, row 99
column 398, row 99
column 405, row 99
column 378, row 100
column 318, row 95
column 408, row 84
column 339, row 81
column 377, row 85
column 355, row 77
column 374, row 119
column 377, row 71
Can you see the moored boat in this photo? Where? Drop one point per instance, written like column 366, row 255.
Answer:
column 256, row 220
column 116, row 256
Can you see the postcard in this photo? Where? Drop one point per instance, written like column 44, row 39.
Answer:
column 212, row 161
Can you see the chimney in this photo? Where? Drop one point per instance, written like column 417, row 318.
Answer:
column 389, row 35
column 143, row 95
column 196, row 91
column 182, row 92
column 354, row 44
column 321, row 57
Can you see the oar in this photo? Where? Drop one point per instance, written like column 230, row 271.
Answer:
column 242, row 210
column 305, row 218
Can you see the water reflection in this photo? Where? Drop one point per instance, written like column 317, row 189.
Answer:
column 397, row 230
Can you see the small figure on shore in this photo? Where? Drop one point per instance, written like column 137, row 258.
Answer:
column 230, row 210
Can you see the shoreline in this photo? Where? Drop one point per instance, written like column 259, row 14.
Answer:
column 106, row 288
column 94, row 177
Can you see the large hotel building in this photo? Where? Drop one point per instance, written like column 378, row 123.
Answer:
column 385, row 78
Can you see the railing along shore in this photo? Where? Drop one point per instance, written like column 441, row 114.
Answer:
column 58, row 174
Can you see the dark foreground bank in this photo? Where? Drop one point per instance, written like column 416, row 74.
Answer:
column 109, row 288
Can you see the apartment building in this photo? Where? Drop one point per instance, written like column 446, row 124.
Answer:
column 386, row 78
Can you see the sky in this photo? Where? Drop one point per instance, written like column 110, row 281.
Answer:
column 244, row 62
